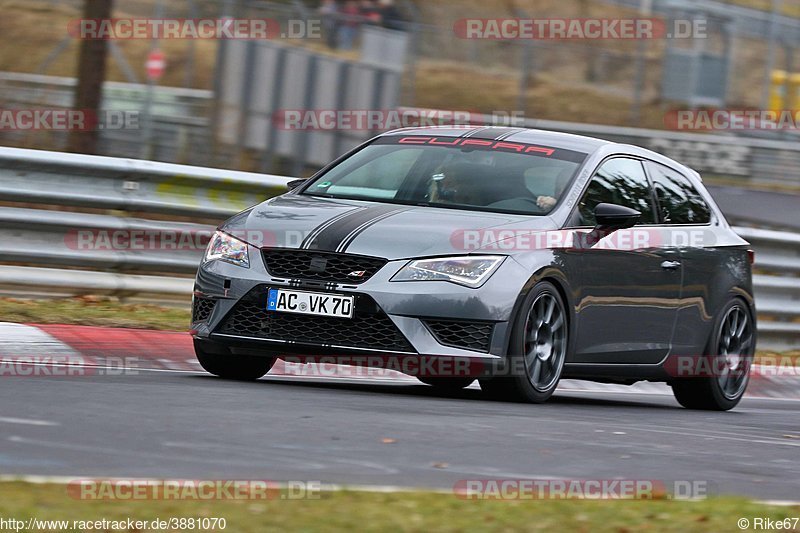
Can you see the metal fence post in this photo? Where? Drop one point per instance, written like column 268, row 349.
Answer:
column 268, row 154
column 770, row 64
column 301, row 151
column 645, row 10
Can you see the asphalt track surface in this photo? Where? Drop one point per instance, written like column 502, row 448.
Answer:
column 187, row 425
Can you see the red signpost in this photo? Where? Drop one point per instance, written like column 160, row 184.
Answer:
column 156, row 62
column 154, row 67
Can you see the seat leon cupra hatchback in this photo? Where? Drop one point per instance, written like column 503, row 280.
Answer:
column 512, row 256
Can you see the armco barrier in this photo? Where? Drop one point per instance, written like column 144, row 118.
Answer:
column 35, row 176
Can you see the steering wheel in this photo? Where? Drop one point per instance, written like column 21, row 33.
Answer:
column 530, row 204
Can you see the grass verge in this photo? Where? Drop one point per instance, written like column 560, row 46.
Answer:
column 405, row 511
column 94, row 311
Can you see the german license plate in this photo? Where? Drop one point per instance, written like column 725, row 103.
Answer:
column 310, row 303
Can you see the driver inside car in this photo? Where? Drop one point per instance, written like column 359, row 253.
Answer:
column 455, row 183
column 547, row 202
column 474, row 184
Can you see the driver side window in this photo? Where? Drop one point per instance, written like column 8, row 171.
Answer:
column 619, row 181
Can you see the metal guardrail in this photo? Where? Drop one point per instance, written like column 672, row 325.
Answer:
column 82, row 240
column 777, row 251
column 57, row 178
column 36, row 241
column 27, row 282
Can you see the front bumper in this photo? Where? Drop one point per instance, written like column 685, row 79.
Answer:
column 411, row 308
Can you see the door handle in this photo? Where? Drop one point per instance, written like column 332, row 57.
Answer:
column 671, row 265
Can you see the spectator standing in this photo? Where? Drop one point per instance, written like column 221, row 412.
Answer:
column 370, row 12
column 349, row 21
column 329, row 12
column 390, row 16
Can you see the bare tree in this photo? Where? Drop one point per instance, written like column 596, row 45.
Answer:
column 91, row 75
column 592, row 56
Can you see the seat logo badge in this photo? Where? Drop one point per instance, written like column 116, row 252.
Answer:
column 357, row 274
column 318, row 264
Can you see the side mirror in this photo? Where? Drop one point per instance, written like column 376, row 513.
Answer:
column 614, row 217
column 292, row 185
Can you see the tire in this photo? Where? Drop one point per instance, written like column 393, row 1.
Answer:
column 537, row 351
column 233, row 367
column 730, row 350
column 447, row 384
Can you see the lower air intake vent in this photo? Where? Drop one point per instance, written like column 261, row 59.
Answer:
column 458, row 334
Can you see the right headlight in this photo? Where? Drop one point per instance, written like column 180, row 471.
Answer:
column 470, row 271
column 224, row 247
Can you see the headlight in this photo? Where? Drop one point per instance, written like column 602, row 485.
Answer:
column 227, row 248
column 470, row 271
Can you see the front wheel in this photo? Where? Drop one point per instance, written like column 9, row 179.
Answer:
column 234, row 367
column 730, row 351
column 538, row 349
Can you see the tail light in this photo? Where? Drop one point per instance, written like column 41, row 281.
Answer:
column 751, row 255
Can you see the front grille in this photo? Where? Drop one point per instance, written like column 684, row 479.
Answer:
column 370, row 328
column 202, row 308
column 321, row 266
column 469, row 335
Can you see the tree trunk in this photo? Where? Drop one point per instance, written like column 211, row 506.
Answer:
column 91, row 75
column 590, row 73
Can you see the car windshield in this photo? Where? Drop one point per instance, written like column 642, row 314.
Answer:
column 460, row 173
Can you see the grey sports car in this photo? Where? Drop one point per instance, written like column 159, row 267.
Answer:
column 513, row 256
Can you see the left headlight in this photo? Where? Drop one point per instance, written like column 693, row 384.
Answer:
column 470, row 271
column 227, row 248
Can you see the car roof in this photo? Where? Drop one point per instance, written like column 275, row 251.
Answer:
column 554, row 139
column 567, row 141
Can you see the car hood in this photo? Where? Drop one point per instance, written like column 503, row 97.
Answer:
column 378, row 229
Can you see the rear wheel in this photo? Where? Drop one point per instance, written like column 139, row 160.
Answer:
column 235, row 367
column 538, row 349
column 730, row 351
column 451, row 384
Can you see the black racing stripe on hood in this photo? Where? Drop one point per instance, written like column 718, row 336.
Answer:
column 316, row 231
column 335, row 234
column 354, row 234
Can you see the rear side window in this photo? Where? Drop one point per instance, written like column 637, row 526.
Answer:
column 678, row 199
column 619, row 181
